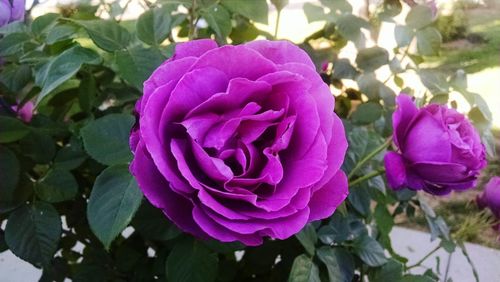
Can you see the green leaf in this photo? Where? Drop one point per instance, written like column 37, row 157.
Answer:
column 60, row 32
column 38, row 146
column 61, row 68
column 106, row 139
column 304, row 270
column 113, row 202
column 419, row 16
column 403, row 35
column 429, row 41
column 342, row 68
column 9, row 165
column 41, row 24
column 107, row 35
column 13, row 43
column 70, row 157
column 152, row 224
column 307, row 237
column 191, row 261
column 384, row 219
column 434, row 81
column 33, row 233
column 15, row 77
column 391, row 271
column 336, row 231
column 349, row 26
column 314, row 13
column 219, row 20
column 154, row 26
column 12, row 129
column 136, row 64
column 370, row 251
column 339, row 263
column 370, row 59
column 255, row 10
column 87, row 92
column 367, row 113
column 338, row 6
column 57, row 186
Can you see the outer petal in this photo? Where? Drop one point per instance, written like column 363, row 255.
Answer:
column 402, row 117
column 426, row 140
column 158, row 192
column 194, row 48
column 325, row 200
column 281, row 52
column 441, row 172
column 18, row 10
column 395, row 170
column 4, row 12
column 236, row 61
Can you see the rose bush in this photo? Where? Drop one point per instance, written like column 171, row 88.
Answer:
column 239, row 142
column 439, row 149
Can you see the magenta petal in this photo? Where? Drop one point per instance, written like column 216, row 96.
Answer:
column 281, row 52
column 157, row 191
column 193, row 48
column 402, row 117
column 215, row 168
column 395, row 170
column 336, row 151
column 4, row 12
column 441, row 172
column 427, row 140
column 178, row 148
column 236, row 61
column 220, row 232
column 169, row 72
column 325, row 200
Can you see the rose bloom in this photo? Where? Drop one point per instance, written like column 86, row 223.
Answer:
column 11, row 12
column 438, row 149
column 239, row 143
column 491, row 196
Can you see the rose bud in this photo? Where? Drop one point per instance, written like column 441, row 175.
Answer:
column 438, row 149
column 491, row 196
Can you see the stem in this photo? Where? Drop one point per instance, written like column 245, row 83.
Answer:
column 469, row 260
column 368, row 157
column 366, row 177
column 424, row 258
column 448, row 264
column 192, row 21
column 277, row 24
column 405, row 53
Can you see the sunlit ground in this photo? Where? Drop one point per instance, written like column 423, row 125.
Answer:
column 483, row 63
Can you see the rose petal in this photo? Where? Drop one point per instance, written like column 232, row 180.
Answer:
column 325, row 200
column 193, row 48
column 402, row 117
column 281, row 52
column 395, row 170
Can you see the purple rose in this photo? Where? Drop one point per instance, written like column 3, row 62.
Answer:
column 10, row 12
column 240, row 142
column 491, row 196
column 439, row 149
